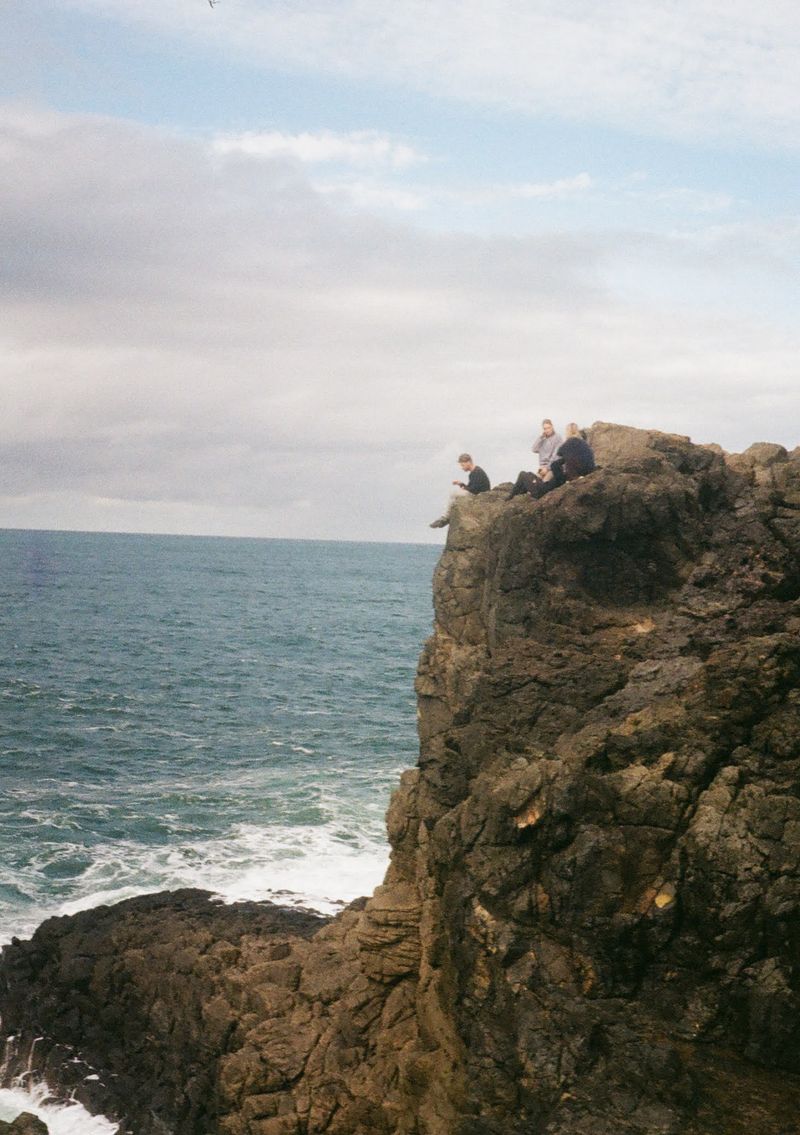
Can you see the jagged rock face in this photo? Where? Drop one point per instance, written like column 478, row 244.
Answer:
column 131, row 1008
column 608, row 786
column 591, row 920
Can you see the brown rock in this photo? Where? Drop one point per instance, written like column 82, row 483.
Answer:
column 25, row 1124
column 590, row 920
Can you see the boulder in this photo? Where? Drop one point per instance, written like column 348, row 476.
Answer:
column 25, row 1124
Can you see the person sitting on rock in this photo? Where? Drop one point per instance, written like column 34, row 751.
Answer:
column 477, row 482
column 573, row 459
column 546, row 446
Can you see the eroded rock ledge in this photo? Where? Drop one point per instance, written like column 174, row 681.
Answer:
column 591, row 920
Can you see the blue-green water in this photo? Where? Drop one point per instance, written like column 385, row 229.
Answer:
column 182, row 711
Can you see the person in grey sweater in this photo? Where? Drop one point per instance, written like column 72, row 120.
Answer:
column 545, row 447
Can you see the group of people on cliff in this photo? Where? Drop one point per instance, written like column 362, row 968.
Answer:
column 560, row 460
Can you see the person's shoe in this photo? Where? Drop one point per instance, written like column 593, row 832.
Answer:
column 442, row 522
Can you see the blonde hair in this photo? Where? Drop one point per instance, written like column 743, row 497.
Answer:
column 572, row 430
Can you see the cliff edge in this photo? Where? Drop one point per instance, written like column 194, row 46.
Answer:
column 591, row 920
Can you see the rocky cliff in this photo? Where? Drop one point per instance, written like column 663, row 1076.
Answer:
column 591, row 920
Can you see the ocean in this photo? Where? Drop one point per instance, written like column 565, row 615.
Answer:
column 230, row 714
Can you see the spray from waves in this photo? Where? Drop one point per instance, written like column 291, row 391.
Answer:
column 28, row 1093
column 299, row 866
column 61, row 1119
column 318, row 868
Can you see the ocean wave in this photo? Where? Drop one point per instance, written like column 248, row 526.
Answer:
column 315, row 867
column 61, row 1118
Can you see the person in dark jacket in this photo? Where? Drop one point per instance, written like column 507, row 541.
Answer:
column 476, row 482
column 574, row 458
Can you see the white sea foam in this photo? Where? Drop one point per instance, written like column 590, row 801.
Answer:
column 315, row 867
column 61, row 1119
column 306, row 867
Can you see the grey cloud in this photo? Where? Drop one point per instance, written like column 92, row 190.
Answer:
column 210, row 337
column 100, row 213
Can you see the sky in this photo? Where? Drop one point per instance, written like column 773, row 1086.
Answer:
column 268, row 267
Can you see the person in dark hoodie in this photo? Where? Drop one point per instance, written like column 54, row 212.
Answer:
column 573, row 459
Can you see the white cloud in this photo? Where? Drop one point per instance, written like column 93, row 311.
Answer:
column 374, row 195
column 561, row 189
column 690, row 68
column 418, row 197
column 687, row 200
column 564, row 187
column 355, row 147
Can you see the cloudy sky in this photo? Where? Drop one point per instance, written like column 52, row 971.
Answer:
column 268, row 267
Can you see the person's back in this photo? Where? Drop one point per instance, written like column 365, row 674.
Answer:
column 577, row 457
column 478, row 481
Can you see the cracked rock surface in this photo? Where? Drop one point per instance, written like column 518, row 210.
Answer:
column 591, row 919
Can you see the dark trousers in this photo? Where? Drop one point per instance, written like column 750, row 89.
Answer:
column 533, row 485
column 526, row 483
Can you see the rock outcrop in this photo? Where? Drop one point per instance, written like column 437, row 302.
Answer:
column 591, row 920
column 24, row 1124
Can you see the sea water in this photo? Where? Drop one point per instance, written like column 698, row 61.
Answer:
column 229, row 714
